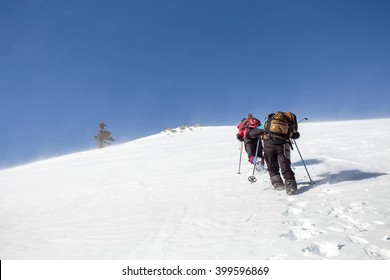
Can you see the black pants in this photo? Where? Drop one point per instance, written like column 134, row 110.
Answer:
column 250, row 142
column 277, row 157
column 250, row 148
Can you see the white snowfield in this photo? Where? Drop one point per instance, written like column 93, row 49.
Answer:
column 178, row 196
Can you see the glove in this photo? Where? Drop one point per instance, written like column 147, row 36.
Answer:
column 296, row 135
column 239, row 137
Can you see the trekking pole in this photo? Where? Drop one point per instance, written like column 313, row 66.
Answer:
column 239, row 163
column 299, row 152
column 252, row 178
column 304, row 119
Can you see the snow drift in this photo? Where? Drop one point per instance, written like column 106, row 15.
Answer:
column 177, row 195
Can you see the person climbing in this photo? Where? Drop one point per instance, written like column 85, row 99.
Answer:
column 279, row 128
column 250, row 133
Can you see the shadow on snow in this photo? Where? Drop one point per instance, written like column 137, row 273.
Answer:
column 342, row 176
column 347, row 175
column 307, row 162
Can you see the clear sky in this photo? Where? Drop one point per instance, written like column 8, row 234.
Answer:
column 142, row 66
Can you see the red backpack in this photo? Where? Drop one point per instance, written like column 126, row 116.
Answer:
column 253, row 123
column 247, row 124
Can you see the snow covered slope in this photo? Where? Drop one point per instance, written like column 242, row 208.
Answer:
column 178, row 196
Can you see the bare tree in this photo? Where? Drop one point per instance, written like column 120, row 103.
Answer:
column 103, row 138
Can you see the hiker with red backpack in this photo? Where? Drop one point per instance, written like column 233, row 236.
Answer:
column 279, row 128
column 250, row 133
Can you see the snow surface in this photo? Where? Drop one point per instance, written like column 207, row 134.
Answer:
column 177, row 195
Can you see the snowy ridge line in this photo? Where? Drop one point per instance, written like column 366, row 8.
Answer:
column 182, row 128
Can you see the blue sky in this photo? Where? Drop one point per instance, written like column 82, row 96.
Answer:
column 143, row 66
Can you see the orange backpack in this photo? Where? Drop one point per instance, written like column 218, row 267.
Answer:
column 281, row 125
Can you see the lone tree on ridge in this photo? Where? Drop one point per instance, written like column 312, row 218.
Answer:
column 103, row 138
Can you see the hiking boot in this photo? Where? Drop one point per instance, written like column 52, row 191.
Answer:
column 277, row 183
column 291, row 187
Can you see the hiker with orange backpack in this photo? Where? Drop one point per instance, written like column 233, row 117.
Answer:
column 250, row 133
column 279, row 128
